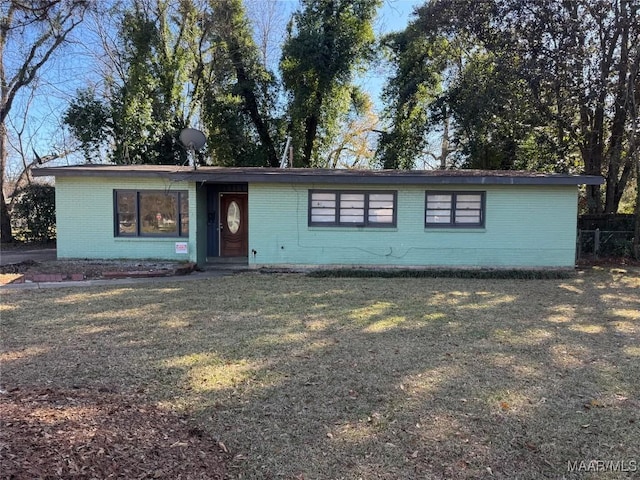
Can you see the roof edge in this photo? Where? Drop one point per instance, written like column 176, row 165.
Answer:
column 308, row 175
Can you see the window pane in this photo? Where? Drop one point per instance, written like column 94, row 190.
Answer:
column 468, row 217
column 439, row 205
column 380, row 216
column 437, row 219
column 352, row 208
column 379, row 204
column 468, row 206
column 322, row 218
column 432, row 197
column 476, row 198
column 345, row 197
column 352, row 215
column 383, row 197
column 323, row 207
column 158, row 213
column 323, row 203
column 184, row 214
column 323, row 196
column 381, row 207
column 351, row 204
column 126, row 213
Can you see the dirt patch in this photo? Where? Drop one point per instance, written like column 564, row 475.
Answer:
column 609, row 262
column 90, row 269
column 58, row 433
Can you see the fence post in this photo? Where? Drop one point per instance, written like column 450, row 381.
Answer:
column 596, row 243
column 579, row 246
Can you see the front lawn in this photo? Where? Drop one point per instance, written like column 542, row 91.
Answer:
column 327, row 378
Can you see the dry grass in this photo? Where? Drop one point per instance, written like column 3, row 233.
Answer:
column 360, row 378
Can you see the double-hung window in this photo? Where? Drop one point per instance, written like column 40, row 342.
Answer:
column 352, row 208
column 454, row 209
column 151, row 213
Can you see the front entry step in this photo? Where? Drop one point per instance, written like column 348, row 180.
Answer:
column 227, row 261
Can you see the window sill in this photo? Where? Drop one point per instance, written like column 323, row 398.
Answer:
column 151, row 239
column 351, row 229
column 456, row 229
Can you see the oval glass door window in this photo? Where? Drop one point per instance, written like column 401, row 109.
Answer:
column 233, row 217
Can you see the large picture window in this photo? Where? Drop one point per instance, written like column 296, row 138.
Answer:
column 151, row 213
column 454, row 209
column 353, row 209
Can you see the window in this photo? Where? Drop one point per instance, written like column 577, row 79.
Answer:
column 357, row 209
column 151, row 213
column 457, row 209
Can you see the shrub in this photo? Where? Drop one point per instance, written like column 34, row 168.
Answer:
column 34, row 213
column 479, row 273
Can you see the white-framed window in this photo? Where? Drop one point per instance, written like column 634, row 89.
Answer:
column 454, row 209
column 330, row 208
column 151, row 213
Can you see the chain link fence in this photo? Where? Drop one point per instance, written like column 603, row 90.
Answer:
column 604, row 243
column 605, row 235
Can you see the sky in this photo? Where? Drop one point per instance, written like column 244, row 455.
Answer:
column 392, row 17
column 73, row 69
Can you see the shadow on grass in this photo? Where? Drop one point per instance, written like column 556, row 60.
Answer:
column 361, row 378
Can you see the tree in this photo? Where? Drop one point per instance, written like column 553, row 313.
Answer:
column 89, row 120
column 353, row 146
column 327, row 41
column 35, row 212
column 47, row 24
column 636, row 235
column 412, row 94
column 186, row 64
column 269, row 21
column 571, row 71
column 144, row 106
column 240, row 99
column 193, row 63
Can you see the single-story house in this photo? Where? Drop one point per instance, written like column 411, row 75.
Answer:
column 312, row 217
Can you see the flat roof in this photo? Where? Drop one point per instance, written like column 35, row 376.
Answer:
column 320, row 175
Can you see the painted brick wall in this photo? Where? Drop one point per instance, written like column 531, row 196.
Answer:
column 526, row 226
column 85, row 220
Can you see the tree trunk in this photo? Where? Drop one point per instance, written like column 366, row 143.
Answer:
column 6, row 235
column 444, row 152
column 246, row 88
column 5, row 218
column 615, row 185
column 310, row 129
column 636, row 236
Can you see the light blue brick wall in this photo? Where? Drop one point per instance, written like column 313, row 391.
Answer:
column 85, row 220
column 526, row 226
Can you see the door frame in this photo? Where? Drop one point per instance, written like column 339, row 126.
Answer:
column 220, row 219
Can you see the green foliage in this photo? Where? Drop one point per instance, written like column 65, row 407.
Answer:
column 34, row 213
column 328, row 41
column 480, row 273
column 148, row 107
column 528, row 84
column 139, row 119
column 239, row 101
column 197, row 63
column 411, row 94
column 89, row 120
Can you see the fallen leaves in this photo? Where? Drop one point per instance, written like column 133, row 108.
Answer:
column 594, row 404
column 50, row 433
